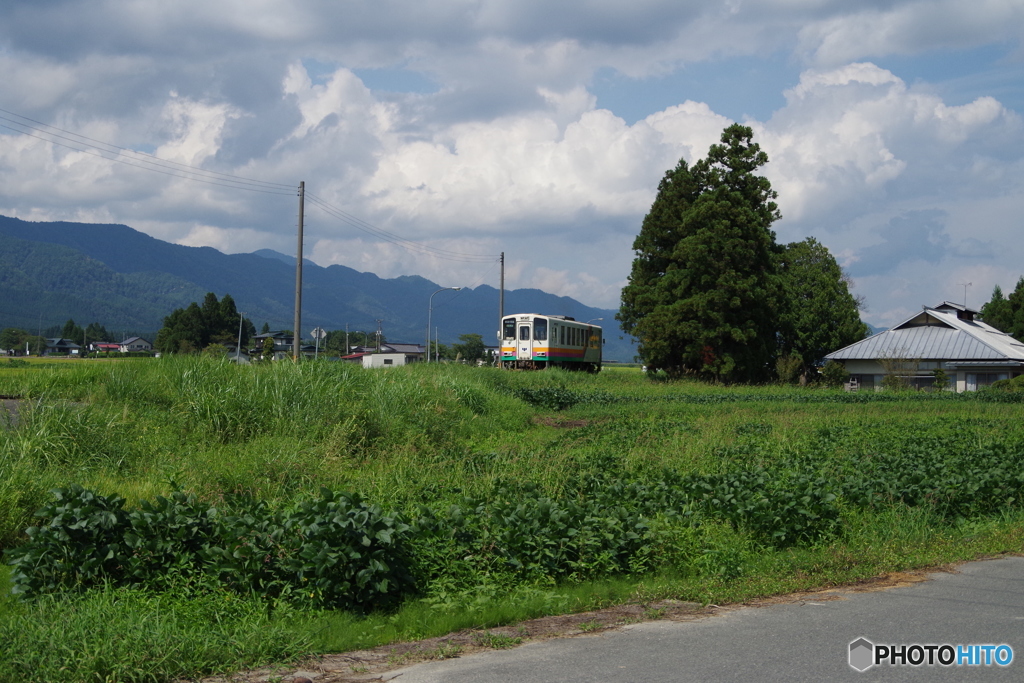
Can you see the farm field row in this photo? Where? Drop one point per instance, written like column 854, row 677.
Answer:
column 452, row 497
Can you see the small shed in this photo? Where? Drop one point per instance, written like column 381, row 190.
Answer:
column 389, row 360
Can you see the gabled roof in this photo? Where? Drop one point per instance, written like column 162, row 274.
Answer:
column 132, row 340
column 405, row 348
column 62, row 342
column 275, row 334
column 947, row 332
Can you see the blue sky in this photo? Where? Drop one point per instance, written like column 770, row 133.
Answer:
column 471, row 127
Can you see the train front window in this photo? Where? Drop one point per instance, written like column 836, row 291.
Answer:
column 540, row 329
column 524, row 333
column 509, row 328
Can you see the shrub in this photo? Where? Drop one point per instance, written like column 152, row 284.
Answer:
column 334, row 551
column 80, row 544
column 834, row 374
column 788, row 367
column 1015, row 384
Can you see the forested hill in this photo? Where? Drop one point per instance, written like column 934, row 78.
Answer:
column 125, row 279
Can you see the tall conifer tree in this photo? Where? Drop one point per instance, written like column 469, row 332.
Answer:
column 703, row 295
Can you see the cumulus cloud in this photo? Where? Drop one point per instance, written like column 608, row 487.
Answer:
column 511, row 151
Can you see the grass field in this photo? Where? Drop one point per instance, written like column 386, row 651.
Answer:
column 483, row 497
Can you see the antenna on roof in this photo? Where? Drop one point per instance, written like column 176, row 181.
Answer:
column 965, row 285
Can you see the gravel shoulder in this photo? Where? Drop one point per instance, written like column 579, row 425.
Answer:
column 382, row 663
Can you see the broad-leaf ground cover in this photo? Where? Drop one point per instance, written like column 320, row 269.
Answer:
column 199, row 505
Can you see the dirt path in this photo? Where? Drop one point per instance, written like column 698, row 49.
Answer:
column 376, row 664
column 9, row 410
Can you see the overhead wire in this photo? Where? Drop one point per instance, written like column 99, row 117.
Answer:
column 133, row 158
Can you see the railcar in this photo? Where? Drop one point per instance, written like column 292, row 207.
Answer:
column 530, row 341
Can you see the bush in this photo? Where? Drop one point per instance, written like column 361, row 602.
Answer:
column 335, row 551
column 834, row 374
column 80, row 544
column 1015, row 384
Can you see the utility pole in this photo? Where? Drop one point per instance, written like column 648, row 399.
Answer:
column 297, row 341
column 347, row 349
column 378, row 335
column 501, row 307
column 238, row 349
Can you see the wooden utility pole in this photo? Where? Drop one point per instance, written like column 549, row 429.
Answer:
column 297, row 341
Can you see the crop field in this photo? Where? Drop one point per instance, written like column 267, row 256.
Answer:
column 170, row 518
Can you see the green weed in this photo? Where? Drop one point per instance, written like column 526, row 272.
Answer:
column 503, row 495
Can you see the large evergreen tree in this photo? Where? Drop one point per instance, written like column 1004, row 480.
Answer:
column 72, row 331
column 703, row 295
column 820, row 315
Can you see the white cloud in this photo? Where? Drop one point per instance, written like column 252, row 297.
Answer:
column 511, row 153
column 908, row 27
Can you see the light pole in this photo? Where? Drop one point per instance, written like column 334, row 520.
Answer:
column 592, row 320
column 430, row 311
column 238, row 349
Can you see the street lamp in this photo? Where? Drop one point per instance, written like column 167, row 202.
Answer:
column 592, row 320
column 430, row 311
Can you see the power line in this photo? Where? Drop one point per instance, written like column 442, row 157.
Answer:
column 409, row 245
column 122, row 155
column 136, row 159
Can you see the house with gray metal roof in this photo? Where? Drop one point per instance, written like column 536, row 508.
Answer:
column 947, row 337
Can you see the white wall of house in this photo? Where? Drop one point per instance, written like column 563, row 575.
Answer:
column 387, row 360
column 870, row 373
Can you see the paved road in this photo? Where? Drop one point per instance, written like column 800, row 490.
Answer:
column 982, row 604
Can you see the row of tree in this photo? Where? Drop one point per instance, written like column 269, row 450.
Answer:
column 192, row 329
column 1006, row 313
column 17, row 338
column 195, row 328
column 711, row 293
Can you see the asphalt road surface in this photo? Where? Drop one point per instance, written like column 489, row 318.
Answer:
column 983, row 604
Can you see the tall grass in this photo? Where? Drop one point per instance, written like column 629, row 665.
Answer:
column 128, row 635
column 438, row 436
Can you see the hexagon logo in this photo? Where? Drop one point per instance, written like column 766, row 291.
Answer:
column 862, row 654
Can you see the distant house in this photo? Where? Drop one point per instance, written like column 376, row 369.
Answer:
column 283, row 345
column 134, row 344
column 946, row 337
column 61, row 347
column 283, row 340
column 104, row 347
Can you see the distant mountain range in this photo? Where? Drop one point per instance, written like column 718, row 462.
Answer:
column 126, row 280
